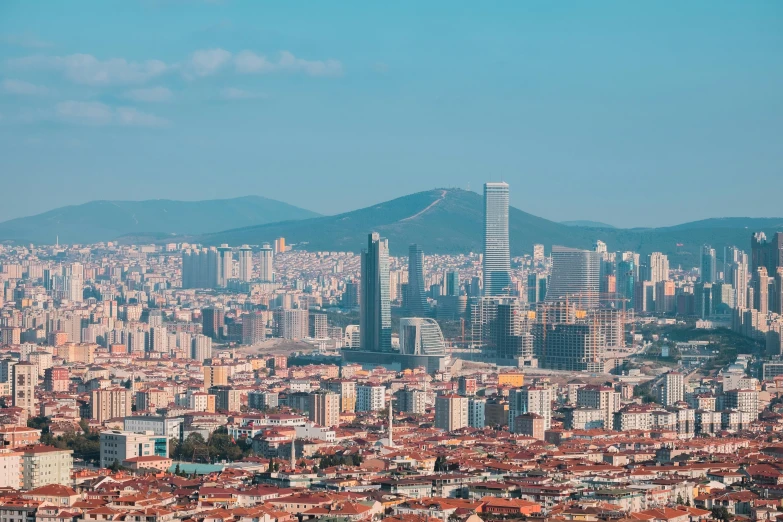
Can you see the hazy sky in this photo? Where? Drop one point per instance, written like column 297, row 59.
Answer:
column 631, row 113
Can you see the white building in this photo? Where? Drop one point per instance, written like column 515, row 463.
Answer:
column 171, row 427
column 370, row 398
column 11, row 469
column 673, row 389
column 476, row 412
column 531, row 399
column 117, row 446
column 42, row 465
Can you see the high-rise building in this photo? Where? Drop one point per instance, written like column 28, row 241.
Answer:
column 325, row 408
column 576, row 276
column 657, row 267
column 778, row 298
column 224, row 265
column 452, row 283
column 665, row 295
column 451, row 412
column 346, row 389
column 370, row 397
column 412, row 401
column 531, row 399
column 538, row 254
column 602, row 398
column 199, row 268
column 673, row 388
column 709, row 270
column 253, row 328
column 74, row 282
column 511, row 341
column 318, row 326
column 227, row 398
column 57, row 379
column 768, row 254
column 477, row 412
column 215, row 376
column 23, row 383
column 536, row 287
column 626, row 280
column 421, row 336
column 573, row 347
column 761, row 290
column 291, row 323
column 739, row 277
column 375, row 309
column 266, row 264
column 280, row 245
column 245, row 263
column 212, row 320
column 201, row 348
column 110, row 403
column 416, row 296
column 497, row 258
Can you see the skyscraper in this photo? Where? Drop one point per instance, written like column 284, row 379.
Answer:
column 375, row 309
column 761, row 290
column 497, row 260
column 245, row 263
column 224, row 265
column 266, row 263
column 575, row 275
column 452, row 283
column 657, row 267
column 416, row 298
column 738, row 276
column 709, row 271
column 421, row 336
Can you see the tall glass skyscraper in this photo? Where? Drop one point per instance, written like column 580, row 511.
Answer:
column 497, row 260
column 708, row 272
column 375, row 309
column 575, row 276
column 416, row 298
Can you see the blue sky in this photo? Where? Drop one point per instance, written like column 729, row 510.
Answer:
column 631, row 113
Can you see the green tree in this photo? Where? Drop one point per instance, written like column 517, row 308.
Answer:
column 721, row 513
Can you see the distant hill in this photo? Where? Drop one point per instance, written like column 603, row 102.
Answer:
column 107, row 220
column 451, row 221
column 733, row 222
column 586, row 223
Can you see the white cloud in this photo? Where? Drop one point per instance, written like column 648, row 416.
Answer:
column 153, row 94
column 86, row 69
column 24, row 88
column 232, row 93
column 206, row 62
column 249, row 62
column 100, row 114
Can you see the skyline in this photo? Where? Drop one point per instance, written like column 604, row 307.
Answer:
column 573, row 106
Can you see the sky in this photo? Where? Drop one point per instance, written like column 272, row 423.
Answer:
column 629, row 113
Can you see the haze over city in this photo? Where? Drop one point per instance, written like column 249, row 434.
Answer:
column 364, row 262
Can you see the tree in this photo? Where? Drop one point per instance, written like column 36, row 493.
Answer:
column 721, row 513
column 680, row 501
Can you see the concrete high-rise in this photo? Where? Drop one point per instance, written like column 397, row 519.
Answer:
column 657, row 267
column 739, row 276
column 375, row 309
column 224, row 265
column 325, row 408
column 709, row 271
column 74, row 282
column 416, row 296
column 212, row 320
column 266, row 269
column 451, row 412
column 761, row 290
column 497, row 259
column 253, row 328
column 768, row 254
column 24, row 379
column 576, row 276
column 531, row 399
column 673, row 388
column 536, row 287
column 201, row 348
column 245, row 263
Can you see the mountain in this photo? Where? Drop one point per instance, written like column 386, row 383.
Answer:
column 586, row 223
column 449, row 221
column 734, row 223
column 107, row 220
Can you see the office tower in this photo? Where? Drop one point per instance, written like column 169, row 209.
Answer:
column 497, row 260
column 266, row 265
column 375, row 309
column 510, row 339
column 279, row 245
column 325, row 408
column 657, row 267
column 708, row 272
column 626, row 280
column 318, row 327
column 575, row 275
column 761, row 291
column 421, row 336
column 665, row 297
column 452, row 284
column 212, row 320
column 291, row 324
column 416, row 298
column 722, row 298
column 644, row 297
column 24, row 379
column 253, row 328
column 768, row 254
column 702, row 299
column 110, row 403
column 673, row 388
column 224, row 265
column 536, row 288
column 201, row 348
column 573, row 347
column 370, row 397
column 531, row 399
column 778, row 297
column 215, row 376
column 245, row 263
column 451, row 412
column 739, row 276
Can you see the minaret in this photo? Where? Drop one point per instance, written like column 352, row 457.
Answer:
column 391, row 426
column 293, row 453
